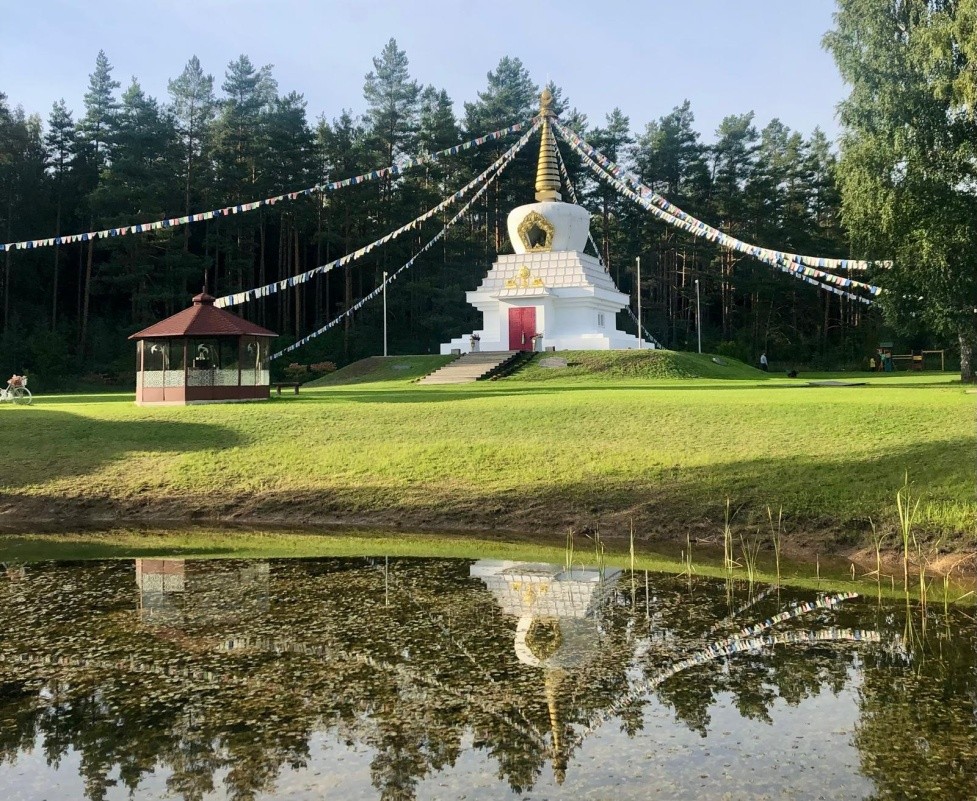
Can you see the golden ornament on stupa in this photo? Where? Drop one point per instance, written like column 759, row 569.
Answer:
column 547, row 172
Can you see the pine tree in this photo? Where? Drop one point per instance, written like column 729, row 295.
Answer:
column 61, row 143
column 614, row 141
column 250, row 95
column 143, row 180
column 392, row 103
column 670, row 158
column 239, row 150
column 101, row 107
column 392, row 108
column 96, row 129
column 194, row 107
column 345, row 152
column 510, row 97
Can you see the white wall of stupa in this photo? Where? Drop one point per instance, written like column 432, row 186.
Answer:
column 548, row 286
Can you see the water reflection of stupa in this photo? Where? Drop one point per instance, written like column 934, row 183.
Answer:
column 558, row 629
column 178, row 591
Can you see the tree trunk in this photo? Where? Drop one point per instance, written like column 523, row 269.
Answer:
column 324, row 281
column 54, row 290
column 968, row 342
column 261, row 265
column 279, row 269
column 298, row 287
column 86, row 295
column 81, row 281
column 57, row 256
column 6, row 269
column 6, row 291
column 217, row 256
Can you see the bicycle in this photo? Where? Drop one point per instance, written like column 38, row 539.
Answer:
column 17, row 392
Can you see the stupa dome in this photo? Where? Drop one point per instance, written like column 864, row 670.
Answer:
column 548, row 226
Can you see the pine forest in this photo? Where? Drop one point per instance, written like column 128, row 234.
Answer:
column 127, row 157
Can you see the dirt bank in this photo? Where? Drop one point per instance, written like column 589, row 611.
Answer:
column 802, row 540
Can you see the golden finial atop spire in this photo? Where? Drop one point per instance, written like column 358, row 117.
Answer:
column 547, row 173
column 546, row 102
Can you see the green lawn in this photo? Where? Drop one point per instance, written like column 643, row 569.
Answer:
column 535, row 453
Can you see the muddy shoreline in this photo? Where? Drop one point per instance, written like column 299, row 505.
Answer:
column 803, row 541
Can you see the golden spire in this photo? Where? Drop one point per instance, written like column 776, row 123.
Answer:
column 552, row 680
column 547, row 173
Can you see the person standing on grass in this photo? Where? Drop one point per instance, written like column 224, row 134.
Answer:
column 763, row 362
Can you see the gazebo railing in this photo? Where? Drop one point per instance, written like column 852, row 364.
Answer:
column 204, row 378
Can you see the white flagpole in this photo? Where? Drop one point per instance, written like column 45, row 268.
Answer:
column 638, row 260
column 384, row 314
column 698, row 315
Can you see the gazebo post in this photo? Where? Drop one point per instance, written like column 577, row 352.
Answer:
column 141, row 364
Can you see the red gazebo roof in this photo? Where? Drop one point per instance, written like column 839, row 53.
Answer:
column 203, row 319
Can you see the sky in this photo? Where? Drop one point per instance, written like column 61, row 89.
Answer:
column 642, row 56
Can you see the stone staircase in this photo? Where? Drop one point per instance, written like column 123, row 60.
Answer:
column 470, row 367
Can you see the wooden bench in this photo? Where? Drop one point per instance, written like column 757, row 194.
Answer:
column 293, row 384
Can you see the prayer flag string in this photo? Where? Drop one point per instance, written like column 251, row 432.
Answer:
column 702, row 230
column 748, row 640
column 498, row 167
column 590, row 237
column 173, row 222
column 814, row 266
column 248, row 295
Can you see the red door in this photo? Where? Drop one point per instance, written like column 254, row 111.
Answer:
column 522, row 328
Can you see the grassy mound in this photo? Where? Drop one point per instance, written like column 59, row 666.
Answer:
column 382, row 368
column 636, row 364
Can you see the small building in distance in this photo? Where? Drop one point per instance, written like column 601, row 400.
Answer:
column 202, row 355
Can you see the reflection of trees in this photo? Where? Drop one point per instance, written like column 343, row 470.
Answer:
column 917, row 735
column 688, row 663
column 236, row 689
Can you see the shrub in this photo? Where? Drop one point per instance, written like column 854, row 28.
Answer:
column 321, row 368
column 734, row 350
column 297, row 372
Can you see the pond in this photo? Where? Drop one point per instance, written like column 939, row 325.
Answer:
column 472, row 679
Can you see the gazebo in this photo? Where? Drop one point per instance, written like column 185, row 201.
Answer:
column 202, row 355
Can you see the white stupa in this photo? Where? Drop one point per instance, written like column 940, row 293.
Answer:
column 549, row 293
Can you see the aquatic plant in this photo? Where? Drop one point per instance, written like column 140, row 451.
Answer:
column 599, row 552
column 631, row 545
column 728, row 561
column 878, row 538
column 689, row 568
column 908, row 507
column 776, row 534
column 751, row 550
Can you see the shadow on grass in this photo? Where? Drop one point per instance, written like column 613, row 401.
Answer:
column 88, row 397
column 39, row 441
column 812, row 491
column 41, row 399
column 815, row 495
column 438, row 394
